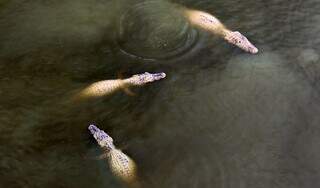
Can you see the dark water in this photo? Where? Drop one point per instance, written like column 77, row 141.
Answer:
column 222, row 118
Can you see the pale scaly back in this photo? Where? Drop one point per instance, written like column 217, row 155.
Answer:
column 120, row 164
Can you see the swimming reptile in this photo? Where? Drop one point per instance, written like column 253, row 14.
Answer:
column 120, row 164
column 106, row 87
column 210, row 23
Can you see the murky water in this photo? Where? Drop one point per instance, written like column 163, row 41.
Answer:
column 222, row 118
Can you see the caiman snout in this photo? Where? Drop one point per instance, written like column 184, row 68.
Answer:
column 159, row 76
column 151, row 77
column 93, row 129
column 237, row 39
column 103, row 139
column 141, row 79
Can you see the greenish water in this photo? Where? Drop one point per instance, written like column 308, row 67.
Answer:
column 222, row 118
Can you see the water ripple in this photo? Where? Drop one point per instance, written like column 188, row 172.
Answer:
column 164, row 33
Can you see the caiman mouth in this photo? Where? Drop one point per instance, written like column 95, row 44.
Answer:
column 93, row 129
column 103, row 139
column 159, row 76
column 237, row 39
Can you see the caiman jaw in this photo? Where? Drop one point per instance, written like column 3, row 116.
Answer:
column 141, row 79
column 103, row 139
column 147, row 77
column 237, row 39
column 93, row 129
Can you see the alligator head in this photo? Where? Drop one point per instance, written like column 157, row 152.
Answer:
column 236, row 38
column 103, row 139
column 141, row 79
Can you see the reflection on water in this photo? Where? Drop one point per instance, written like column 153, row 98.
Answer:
column 221, row 118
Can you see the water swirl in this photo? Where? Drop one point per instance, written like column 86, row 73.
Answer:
column 155, row 30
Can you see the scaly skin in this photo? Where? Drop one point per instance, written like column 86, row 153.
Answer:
column 141, row 79
column 212, row 24
column 106, row 87
column 120, row 164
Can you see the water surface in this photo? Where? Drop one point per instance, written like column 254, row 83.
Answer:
column 222, row 118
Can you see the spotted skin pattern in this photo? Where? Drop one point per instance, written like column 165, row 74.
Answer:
column 141, row 79
column 106, row 87
column 237, row 39
column 210, row 23
column 120, row 164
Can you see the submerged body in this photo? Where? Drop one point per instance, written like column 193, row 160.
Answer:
column 122, row 166
column 210, row 23
column 106, row 87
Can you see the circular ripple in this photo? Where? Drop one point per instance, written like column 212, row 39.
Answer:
column 155, row 30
